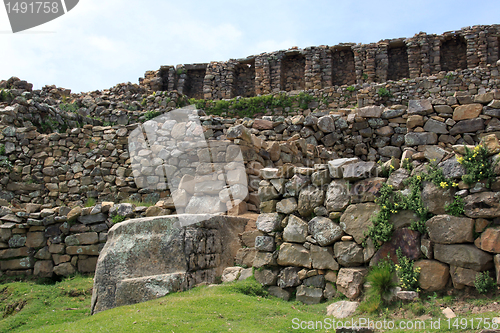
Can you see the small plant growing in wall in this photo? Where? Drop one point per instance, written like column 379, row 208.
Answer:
column 381, row 285
column 351, row 88
column 407, row 273
column 2, row 149
column 484, row 283
column 478, row 165
column 384, row 93
column 456, row 208
column 117, row 219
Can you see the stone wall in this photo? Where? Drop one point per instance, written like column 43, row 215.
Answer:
column 312, row 232
column 344, row 64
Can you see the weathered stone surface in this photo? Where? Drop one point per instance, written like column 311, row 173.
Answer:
column 366, row 189
column 497, row 267
column 17, row 264
column 465, row 256
column 295, row 231
column 269, row 222
column 15, row 252
column 280, row 293
column 436, row 198
column 231, row 274
column 462, row 277
column 74, row 213
column 359, row 170
column 43, row 268
column 64, row 269
column 36, row 240
column 467, row 126
column 482, row 205
column 452, row 169
column 435, row 126
column 335, row 166
column 142, row 289
column 239, row 132
column 357, row 219
column 264, row 243
column 447, row 229
column 372, row 111
column 417, row 139
column 433, row 274
column 420, row 107
column 289, row 277
column 337, row 196
column 490, row 240
column 262, row 259
column 342, row 309
column 308, row 295
column 349, row 254
column 91, row 219
column 326, row 124
column 350, row 281
column 291, row 254
column 310, row 197
column 286, row 206
column 262, row 124
column 324, row 230
column 397, row 178
column 245, row 257
column 405, row 239
column 403, row 219
column 143, row 250
column 322, row 258
column 266, row 277
column 468, row 111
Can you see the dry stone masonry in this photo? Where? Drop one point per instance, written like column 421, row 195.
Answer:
column 311, row 170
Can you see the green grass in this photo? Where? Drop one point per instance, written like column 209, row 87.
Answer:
column 51, row 308
column 43, row 304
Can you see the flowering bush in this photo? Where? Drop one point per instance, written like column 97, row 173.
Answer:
column 478, row 165
column 407, row 274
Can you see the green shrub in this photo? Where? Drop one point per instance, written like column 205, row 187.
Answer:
column 151, row 115
column 117, row 219
column 69, row 107
column 249, row 287
column 351, row 88
column 381, row 285
column 383, row 92
column 407, row 274
column 484, row 283
column 478, row 165
column 456, row 208
column 2, row 149
column 90, row 202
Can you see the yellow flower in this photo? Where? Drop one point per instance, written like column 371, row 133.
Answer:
column 392, row 166
column 444, row 184
column 460, row 159
column 454, row 184
column 419, row 178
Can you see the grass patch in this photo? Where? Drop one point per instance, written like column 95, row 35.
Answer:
column 64, row 307
column 34, row 304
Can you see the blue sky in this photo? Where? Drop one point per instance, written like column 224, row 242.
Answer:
column 101, row 43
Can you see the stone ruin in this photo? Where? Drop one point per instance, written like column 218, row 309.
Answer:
column 60, row 151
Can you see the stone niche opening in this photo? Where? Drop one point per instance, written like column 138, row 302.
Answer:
column 397, row 54
column 245, row 78
column 164, row 73
column 453, row 53
column 343, row 66
column 194, row 82
column 292, row 71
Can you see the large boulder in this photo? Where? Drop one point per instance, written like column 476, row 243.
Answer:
column 356, row 220
column 447, row 229
column 433, row 274
column 350, row 281
column 310, row 197
column 482, row 205
column 349, row 254
column 295, row 231
column 337, row 196
column 436, row 198
column 291, row 254
column 463, row 255
column 324, row 230
column 150, row 257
